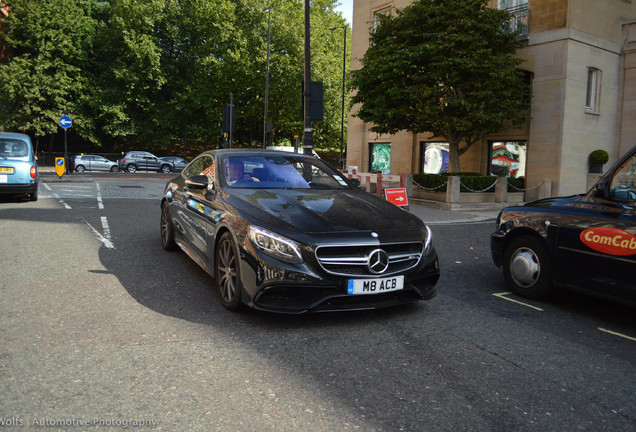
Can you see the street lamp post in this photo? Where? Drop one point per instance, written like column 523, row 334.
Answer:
column 269, row 22
column 344, row 64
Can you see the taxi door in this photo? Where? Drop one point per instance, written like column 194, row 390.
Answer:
column 596, row 243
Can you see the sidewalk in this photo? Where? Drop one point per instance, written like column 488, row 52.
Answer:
column 430, row 212
column 433, row 215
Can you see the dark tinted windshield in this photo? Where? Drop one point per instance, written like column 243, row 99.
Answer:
column 280, row 172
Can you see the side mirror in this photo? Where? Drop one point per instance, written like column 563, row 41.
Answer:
column 599, row 191
column 197, row 182
column 355, row 182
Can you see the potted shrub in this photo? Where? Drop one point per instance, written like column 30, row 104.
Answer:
column 597, row 159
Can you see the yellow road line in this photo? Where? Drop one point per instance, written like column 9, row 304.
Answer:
column 503, row 294
column 617, row 334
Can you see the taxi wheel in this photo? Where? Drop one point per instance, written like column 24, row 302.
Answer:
column 131, row 168
column 167, row 229
column 227, row 273
column 526, row 267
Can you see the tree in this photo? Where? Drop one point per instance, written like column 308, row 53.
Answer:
column 445, row 67
column 46, row 73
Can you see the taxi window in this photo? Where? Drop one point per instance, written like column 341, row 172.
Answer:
column 623, row 185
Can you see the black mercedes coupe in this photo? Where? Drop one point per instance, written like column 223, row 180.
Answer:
column 284, row 232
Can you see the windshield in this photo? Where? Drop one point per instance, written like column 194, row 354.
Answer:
column 13, row 148
column 280, row 172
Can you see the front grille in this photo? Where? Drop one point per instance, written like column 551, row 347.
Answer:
column 353, row 260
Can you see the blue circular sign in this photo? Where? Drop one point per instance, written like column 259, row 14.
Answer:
column 66, row 122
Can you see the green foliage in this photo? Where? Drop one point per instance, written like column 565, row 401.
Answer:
column 599, row 157
column 443, row 67
column 155, row 74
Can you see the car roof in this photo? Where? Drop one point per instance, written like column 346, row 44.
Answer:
column 15, row 135
column 246, row 152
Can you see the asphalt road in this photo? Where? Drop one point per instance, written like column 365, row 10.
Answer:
column 101, row 329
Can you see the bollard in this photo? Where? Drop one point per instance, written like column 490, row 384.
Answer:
column 379, row 185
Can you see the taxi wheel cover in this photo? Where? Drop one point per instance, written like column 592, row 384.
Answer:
column 526, row 268
column 79, row 168
column 227, row 271
column 167, row 230
column 131, row 168
column 165, row 169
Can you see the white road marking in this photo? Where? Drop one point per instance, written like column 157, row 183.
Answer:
column 100, row 203
column 103, row 239
column 57, row 197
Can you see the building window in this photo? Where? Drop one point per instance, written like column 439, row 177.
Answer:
column 380, row 12
column 380, row 158
column 593, row 93
column 434, row 157
column 508, row 158
column 519, row 16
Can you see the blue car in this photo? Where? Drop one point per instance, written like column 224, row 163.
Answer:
column 18, row 169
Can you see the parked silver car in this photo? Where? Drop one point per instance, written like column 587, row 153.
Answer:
column 94, row 163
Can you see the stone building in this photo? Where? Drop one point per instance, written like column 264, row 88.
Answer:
column 581, row 60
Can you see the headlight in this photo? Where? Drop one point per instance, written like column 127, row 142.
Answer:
column 428, row 243
column 275, row 245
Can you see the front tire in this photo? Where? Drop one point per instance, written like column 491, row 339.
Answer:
column 227, row 273
column 114, row 169
column 527, row 268
column 167, row 229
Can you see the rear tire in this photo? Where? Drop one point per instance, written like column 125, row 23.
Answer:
column 131, row 168
column 79, row 168
column 227, row 273
column 527, row 268
column 165, row 169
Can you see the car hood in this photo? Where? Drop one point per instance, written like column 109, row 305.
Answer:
column 555, row 201
column 317, row 211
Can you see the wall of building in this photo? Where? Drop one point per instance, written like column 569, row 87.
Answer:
column 566, row 37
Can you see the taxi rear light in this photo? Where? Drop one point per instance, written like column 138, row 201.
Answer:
column 123, row 160
column 34, row 172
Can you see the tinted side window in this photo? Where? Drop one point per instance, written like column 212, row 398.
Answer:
column 201, row 166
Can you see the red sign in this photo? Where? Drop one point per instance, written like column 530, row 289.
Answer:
column 396, row 196
column 610, row 241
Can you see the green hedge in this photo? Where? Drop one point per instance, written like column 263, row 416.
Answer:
column 474, row 181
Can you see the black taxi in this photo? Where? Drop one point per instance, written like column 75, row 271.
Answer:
column 583, row 242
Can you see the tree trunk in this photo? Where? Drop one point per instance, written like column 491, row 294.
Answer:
column 453, row 155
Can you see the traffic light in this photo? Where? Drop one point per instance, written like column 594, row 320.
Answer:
column 229, row 118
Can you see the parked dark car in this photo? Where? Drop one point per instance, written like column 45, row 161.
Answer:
column 18, row 169
column 285, row 232
column 583, row 242
column 140, row 160
column 94, row 163
column 178, row 163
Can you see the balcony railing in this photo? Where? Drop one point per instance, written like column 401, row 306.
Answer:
column 518, row 21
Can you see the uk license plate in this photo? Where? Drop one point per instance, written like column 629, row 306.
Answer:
column 375, row 286
column 6, row 170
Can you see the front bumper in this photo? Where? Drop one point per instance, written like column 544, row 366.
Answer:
column 292, row 294
column 497, row 241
